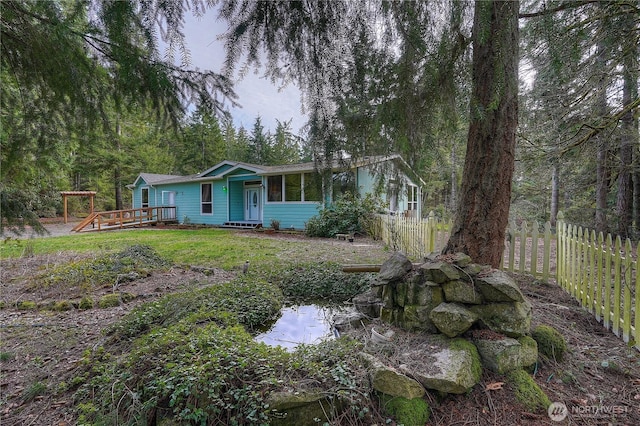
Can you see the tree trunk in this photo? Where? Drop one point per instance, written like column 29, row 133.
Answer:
column 602, row 172
column 117, row 177
column 624, row 201
column 117, row 181
column 484, row 200
column 453, row 200
column 629, row 137
column 555, row 193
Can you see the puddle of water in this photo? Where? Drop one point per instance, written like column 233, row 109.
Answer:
column 308, row 324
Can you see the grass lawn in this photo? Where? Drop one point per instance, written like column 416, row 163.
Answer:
column 207, row 247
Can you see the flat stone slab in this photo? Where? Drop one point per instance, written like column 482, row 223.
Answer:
column 388, row 381
column 442, row 364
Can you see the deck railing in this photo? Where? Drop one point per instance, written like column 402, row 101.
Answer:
column 124, row 218
column 600, row 272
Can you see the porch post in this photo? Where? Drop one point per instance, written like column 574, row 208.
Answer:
column 64, row 199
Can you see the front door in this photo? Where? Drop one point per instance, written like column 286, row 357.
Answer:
column 252, row 204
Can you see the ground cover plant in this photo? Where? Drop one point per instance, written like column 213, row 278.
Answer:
column 182, row 346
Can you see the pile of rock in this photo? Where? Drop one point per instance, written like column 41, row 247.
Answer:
column 463, row 317
column 467, row 317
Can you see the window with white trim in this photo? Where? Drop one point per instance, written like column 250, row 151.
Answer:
column 412, row 197
column 206, row 198
column 144, row 196
column 293, row 187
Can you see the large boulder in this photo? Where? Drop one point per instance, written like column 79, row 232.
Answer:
column 452, row 319
column 443, row 364
column 394, row 268
column 512, row 319
column 389, row 381
column 498, row 286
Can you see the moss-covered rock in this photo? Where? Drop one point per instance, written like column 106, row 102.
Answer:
column 498, row 286
column 439, row 272
column 452, row 319
column 462, row 292
column 507, row 354
column 407, row 412
column 443, row 364
column 394, row 268
column 529, row 352
column 416, row 318
column 388, row 381
column 512, row 319
column 551, row 343
column 528, row 392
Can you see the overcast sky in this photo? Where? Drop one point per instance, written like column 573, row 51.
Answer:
column 255, row 93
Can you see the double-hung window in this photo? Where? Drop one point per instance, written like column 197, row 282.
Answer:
column 144, row 194
column 206, row 198
column 412, row 197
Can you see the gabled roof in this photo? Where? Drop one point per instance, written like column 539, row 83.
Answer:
column 234, row 165
column 222, row 169
column 152, row 178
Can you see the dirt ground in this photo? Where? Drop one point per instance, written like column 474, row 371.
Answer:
column 599, row 381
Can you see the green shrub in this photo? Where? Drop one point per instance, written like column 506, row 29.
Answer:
column 62, row 305
column 6, row 356
column 319, row 281
column 86, row 303
column 109, row 301
column 202, row 375
column 349, row 213
column 33, row 390
column 551, row 343
column 133, row 261
column 528, row 392
column 249, row 301
column 27, row 305
column 213, row 375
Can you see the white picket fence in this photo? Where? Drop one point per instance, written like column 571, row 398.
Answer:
column 600, row 272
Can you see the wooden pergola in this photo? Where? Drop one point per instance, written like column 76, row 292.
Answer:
column 65, row 194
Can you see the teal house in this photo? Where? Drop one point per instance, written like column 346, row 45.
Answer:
column 237, row 194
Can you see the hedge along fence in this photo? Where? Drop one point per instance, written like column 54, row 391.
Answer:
column 600, row 274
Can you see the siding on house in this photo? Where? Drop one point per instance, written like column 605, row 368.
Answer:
column 290, row 214
column 236, row 200
column 228, row 192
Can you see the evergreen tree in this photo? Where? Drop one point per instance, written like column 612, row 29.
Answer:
column 70, row 65
column 202, row 143
column 284, row 146
column 259, row 148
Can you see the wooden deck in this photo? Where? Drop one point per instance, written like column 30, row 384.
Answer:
column 118, row 219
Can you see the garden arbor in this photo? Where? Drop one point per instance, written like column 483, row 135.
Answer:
column 66, row 194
